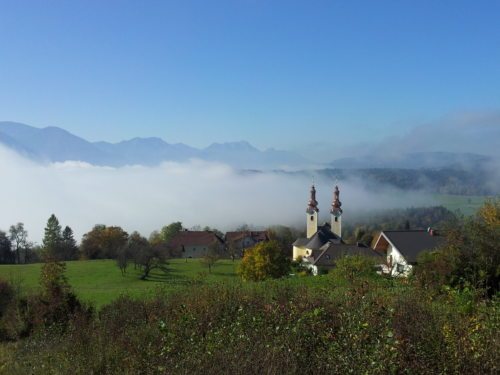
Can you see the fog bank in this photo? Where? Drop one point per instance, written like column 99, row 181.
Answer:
column 146, row 198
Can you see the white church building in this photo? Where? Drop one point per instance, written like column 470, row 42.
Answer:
column 324, row 244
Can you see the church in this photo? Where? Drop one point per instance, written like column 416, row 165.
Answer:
column 324, row 244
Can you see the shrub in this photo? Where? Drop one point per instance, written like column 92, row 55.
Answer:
column 263, row 261
column 354, row 267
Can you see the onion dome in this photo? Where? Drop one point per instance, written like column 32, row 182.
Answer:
column 336, row 204
column 313, row 203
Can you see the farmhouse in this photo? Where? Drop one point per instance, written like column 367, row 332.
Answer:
column 241, row 240
column 195, row 244
column 323, row 244
column 402, row 247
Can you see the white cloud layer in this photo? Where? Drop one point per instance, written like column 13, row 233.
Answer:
column 146, row 198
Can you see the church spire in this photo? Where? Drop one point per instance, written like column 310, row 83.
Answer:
column 336, row 204
column 313, row 203
column 336, row 213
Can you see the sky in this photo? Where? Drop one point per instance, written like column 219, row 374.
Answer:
column 285, row 74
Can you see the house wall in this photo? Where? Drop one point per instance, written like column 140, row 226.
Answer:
column 395, row 258
column 300, row 252
column 197, row 251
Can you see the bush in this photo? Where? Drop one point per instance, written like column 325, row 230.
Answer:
column 273, row 327
column 354, row 268
column 264, row 261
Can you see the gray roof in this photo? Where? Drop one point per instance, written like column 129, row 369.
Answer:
column 410, row 243
column 322, row 237
column 335, row 251
column 301, row 242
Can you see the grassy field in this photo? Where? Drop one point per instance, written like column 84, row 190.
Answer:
column 100, row 281
column 467, row 205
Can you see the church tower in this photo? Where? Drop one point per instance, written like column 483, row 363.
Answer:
column 336, row 213
column 312, row 214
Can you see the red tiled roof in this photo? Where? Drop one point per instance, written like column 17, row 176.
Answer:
column 193, row 238
column 256, row 235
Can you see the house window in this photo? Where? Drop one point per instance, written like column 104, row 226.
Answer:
column 400, row 268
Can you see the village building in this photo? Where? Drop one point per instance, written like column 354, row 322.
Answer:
column 195, row 244
column 324, row 244
column 237, row 242
column 402, row 247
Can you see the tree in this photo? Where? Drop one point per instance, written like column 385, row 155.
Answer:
column 52, row 240
column 69, row 247
column 169, row 231
column 136, row 245
column 131, row 251
column 153, row 256
column 470, row 257
column 103, row 242
column 285, row 237
column 217, row 232
column 211, row 257
column 6, row 254
column 264, row 260
column 233, row 250
column 19, row 238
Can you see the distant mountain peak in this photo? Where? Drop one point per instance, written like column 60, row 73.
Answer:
column 235, row 145
column 54, row 144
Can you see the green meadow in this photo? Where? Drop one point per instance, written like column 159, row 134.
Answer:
column 467, row 205
column 100, row 281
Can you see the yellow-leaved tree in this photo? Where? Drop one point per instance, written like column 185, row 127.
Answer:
column 264, row 261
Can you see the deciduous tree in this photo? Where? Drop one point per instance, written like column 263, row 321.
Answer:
column 19, row 239
column 6, row 254
column 211, row 257
column 263, row 261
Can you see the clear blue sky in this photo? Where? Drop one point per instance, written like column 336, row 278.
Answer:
column 275, row 73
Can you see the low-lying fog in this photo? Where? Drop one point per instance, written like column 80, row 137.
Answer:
column 146, row 198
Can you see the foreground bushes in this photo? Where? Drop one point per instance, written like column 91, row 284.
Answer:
column 272, row 328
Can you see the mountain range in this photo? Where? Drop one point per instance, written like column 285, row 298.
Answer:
column 52, row 144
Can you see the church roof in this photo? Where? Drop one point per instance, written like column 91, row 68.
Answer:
column 300, row 242
column 321, row 237
column 333, row 251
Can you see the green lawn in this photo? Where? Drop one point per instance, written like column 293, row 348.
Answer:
column 100, row 281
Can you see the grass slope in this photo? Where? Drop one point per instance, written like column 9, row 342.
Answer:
column 100, row 281
column 467, row 205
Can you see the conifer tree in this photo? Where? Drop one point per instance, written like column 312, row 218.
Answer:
column 70, row 250
column 52, row 240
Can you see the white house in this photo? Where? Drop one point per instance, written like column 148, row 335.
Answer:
column 402, row 247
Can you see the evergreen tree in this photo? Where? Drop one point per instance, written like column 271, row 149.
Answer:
column 70, row 250
column 52, row 241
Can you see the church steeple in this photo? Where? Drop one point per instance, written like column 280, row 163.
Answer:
column 336, row 213
column 312, row 213
column 313, row 203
